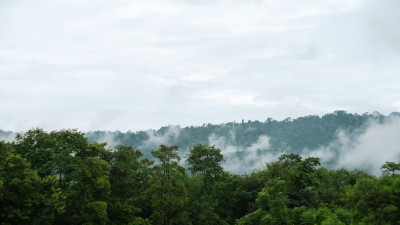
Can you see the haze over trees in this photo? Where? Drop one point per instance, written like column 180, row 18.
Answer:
column 60, row 177
column 330, row 137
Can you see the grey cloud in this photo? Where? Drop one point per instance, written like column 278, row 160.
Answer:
column 366, row 148
column 7, row 136
column 166, row 138
column 108, row 138
column 244, row 159
column 372, row 148
column 381, row 20
column 142, row 59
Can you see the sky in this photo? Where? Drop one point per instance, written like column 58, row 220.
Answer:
column 139, row 65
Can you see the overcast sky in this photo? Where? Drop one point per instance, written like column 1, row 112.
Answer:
column 134, row 65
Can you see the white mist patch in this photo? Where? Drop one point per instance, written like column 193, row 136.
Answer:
column 7, row 137
column 261, row 144
column 329, row 154
column 109, row 138
column 243, row 159
column 370, row 150
column 366, row 148
column 223, row 143
column 155, row 139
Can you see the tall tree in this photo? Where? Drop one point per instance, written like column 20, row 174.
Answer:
column 205, row 166
column 129, row 178
column 168, row 188
column 206, row 161
column 25, row 198
column 90, row 190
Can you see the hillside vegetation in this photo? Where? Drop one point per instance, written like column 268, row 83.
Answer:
column 61, row 177
column 246, row 146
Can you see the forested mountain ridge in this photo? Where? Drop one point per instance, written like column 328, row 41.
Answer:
column 59, row 177
column 247, row 145
column 303, row 132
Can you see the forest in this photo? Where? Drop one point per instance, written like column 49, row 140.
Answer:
column 296, row 134
column 247, row 145
column 60, row 177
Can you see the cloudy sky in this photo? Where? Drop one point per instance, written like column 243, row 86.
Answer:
column 133, row 65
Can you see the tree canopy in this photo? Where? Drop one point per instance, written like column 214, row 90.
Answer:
column 59, row 177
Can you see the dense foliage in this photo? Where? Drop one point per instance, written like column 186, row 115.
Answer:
column 62, row 178
column 304, row 132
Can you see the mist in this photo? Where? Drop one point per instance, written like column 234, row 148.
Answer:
column 366, row 148
column 110, row 139
column 7, row 136
column 243, row 159
column 365, row 145
column 155, row 139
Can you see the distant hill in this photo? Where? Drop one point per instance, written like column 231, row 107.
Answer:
column 304, row 132
column 248, row 145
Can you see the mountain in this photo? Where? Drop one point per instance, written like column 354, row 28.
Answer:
column 249, row 145
column 339, row 139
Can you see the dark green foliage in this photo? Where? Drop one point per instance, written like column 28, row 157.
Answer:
column 129, row 176
column 391, row 168
column 300, row 176
column 308, row 132
column 25, row 198
column 168, row 188
column 206, row 161
column 96, row 213
column 61, row 178
column 375, row 200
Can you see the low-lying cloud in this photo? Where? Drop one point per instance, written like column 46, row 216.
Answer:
column 7, row 136
column 243, row 159
column 109, row 138
column 157, row 138
column 366, row 148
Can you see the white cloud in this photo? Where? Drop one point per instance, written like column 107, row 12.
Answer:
column 184, row 58
column 165, row 138
column 234, row 99
column 243, row 159
column 370, row 150
column 366, row 148
column 396, row 105
column 197, row 77
column 7, row 137
column 139, row 9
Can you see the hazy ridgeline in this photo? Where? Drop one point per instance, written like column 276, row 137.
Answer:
column 292, row 169
column 339, row 139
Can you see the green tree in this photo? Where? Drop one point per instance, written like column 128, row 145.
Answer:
column 129, row 178
column 204, row 165
column 91, row 187
column 391, row 168
column 96, row 213
column 301, row 177
column 206, row 161
column 272, row 206
column 202, row 206
column 375, row 200
column 25, row 198
column 51, row 153
column 168, row 188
